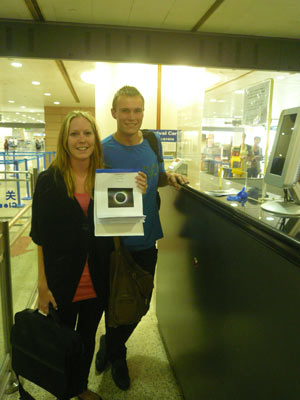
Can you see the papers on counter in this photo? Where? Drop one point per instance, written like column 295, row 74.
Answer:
column 118, row 204
column 220, row 193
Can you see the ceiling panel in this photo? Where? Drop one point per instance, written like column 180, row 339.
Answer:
column 16, row 84
column 114, row 12
column 277, row 18
column 167, row 14
column 185, row 14
column 15, row 9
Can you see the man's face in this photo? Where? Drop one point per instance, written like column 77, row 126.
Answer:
column 129, row 114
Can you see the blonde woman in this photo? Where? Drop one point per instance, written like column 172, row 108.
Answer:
column 73, row 263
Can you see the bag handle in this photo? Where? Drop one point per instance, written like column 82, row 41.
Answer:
column 53, row 314
column 117, row 242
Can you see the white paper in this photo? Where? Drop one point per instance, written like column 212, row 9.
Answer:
column 118, row 204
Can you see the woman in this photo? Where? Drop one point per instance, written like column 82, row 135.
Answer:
column 73, row 263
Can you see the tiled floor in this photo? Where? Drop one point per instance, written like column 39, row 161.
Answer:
column 151, row 375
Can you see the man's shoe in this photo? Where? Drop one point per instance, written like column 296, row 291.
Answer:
column 120, row 374
column 101, row 356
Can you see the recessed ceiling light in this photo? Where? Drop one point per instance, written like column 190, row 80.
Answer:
column 47, row 94
column 23, row 107
column 11, row 101
column 23, row 115
column 16, row 64
column 212, row 100
column 280, row 77
column 36, row 83
column 17, row 113
column 56, row 102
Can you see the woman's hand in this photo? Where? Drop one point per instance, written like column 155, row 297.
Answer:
column 44, row 298
column 141, row 181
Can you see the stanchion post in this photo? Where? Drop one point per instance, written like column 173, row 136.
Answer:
column 28, row 197
column 6, row 289
column 34, row 179
column 19, row 204
column 7, row 302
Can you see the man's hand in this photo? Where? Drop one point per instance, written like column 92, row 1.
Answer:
column 141, row 181
column 174, row 179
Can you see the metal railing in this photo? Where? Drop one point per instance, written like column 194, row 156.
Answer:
column 8, row 382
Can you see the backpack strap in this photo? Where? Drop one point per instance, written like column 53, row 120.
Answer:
column 152, row 140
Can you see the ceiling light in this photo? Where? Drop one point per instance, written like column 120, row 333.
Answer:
column 17, row 113
column 56, row 102
column 36, row 83
column 88, row 77
column 239, row 91
column 212, row 100
column 11, row 101
column 280, row 77
column 16, row 64
column 23, row 107
column 47, row 94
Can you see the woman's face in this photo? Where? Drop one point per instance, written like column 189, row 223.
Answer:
column 81, row 139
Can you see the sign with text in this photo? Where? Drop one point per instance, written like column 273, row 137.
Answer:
column 256, row 102
column 168, row 139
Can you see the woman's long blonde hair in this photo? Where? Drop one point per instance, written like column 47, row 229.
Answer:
column 62, row 159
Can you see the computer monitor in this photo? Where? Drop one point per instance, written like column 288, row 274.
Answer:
column 283, row 168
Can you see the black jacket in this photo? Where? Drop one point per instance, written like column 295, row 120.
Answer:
column 67, row 238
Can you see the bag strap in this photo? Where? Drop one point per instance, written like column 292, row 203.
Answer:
column 152, row 140
column 117, row 242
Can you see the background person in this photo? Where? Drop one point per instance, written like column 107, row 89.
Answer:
column 255, row 158
column 126, row 149
column 73, row 263
column 6, row 145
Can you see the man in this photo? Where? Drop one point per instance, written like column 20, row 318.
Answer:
column 126, row 149
column 254, row 159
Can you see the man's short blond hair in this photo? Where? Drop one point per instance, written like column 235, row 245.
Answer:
column 129, row 91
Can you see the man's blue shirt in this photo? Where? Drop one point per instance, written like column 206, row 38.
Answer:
column 143, row 158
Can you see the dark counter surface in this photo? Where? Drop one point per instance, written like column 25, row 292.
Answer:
column 274, row 231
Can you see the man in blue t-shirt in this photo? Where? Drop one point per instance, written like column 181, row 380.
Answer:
column 126, row 149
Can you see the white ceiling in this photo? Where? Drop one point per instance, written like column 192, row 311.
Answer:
column 280, row 18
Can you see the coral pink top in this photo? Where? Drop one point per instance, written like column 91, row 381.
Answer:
column 85, row 289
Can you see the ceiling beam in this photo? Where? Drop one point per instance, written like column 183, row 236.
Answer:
column 230, row 81
column 37, row 15
column 34, row 10
column 62, row 68
column 208, row 13
column 63, row 41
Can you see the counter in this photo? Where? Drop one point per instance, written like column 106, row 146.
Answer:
column 228, row 298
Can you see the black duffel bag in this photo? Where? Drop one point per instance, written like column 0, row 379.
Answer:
column 47, row 353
